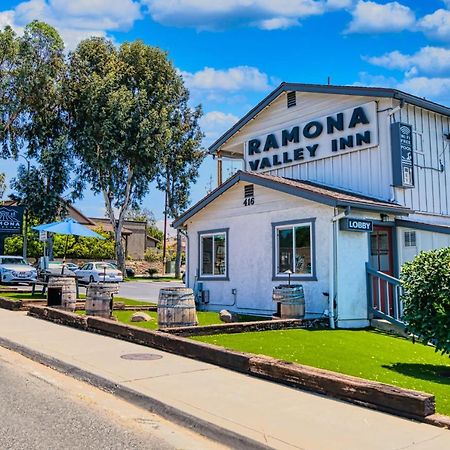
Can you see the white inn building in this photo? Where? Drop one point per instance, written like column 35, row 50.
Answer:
column 340, row 185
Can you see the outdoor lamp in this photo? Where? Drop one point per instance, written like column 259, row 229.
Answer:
column 289, row 273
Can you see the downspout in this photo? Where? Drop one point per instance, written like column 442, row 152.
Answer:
column 185, row 234
column 334, row 272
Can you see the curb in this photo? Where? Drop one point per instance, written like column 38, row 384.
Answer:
column 174, row 415
column 379, row 396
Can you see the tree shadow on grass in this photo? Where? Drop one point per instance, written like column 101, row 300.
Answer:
column 429, row 372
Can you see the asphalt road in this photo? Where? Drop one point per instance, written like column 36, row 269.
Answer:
column 144, row 290
column 43, row 409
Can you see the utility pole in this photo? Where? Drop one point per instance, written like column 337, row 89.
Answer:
column 166, row 207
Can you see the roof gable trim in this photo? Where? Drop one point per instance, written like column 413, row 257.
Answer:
column 326, row 89
column 285, row 188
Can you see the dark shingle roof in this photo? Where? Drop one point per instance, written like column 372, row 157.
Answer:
column 305, row 189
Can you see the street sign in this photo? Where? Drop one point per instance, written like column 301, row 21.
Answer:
column 352, row 224
column 11, row 219
column 43, row 236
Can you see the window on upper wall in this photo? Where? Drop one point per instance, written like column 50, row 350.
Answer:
column 410, row 238
column 213, row 254
column 294, row 249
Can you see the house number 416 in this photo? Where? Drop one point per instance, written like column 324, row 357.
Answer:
column 249, row 201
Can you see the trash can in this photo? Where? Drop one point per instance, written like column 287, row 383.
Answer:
column 170, row 266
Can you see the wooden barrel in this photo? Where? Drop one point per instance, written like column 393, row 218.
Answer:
column 291, row 300
column 99, row 299
column 176, row 308
column 62, row 293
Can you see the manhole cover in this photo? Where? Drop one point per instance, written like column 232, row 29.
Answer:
column 141, row 356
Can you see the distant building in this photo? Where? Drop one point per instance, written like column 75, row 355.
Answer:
column 136, row 240
column 134, row 234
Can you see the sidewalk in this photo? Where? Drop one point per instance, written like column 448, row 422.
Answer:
column 220, row 399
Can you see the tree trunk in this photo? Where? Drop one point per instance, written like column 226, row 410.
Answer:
column 119, row 250
column 178, row 256
column 117, row 225
column 117, row 229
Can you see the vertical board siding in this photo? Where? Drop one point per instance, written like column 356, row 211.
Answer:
column 366, row 171
column 431, row 192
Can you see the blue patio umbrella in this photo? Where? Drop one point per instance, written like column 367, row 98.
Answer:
column 68, row 227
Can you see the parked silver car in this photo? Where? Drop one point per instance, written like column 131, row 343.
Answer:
column 99, row 271
column 14, row 269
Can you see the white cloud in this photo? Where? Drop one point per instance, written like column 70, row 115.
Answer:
column 219, row 14
column 372, row 17
column 437, row 24
column 75, row 20
column 339, row 4
column 430, row 60
column 437, row 88
column 277, row 23
column 7, row 18
column 230, row 80
column 215, row 123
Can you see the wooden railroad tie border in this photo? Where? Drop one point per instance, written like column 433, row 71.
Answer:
column 371, row 394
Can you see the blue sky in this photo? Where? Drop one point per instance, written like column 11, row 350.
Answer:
column 233, row 52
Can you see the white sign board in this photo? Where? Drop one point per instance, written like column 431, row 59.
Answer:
column 42, row 236
column 327, row 136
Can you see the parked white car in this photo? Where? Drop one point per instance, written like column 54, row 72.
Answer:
column 99, row 271
column 55, row 268
column 14, row 269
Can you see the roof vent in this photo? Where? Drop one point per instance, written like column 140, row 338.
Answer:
column 291, row 99
column 249, row 190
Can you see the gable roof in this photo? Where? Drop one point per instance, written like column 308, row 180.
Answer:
column 329, row 89
column 303, row 189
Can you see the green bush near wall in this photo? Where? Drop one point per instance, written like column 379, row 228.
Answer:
column 426, row 282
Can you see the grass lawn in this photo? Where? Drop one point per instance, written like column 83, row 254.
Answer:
column 39, row 296
column 153, row 279
column 364, row 353
column 22, row 296
column 204, row 318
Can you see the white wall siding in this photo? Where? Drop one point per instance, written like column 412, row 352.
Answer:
column 367, row 171
column 425, row 240
column 250, row 248
column 431, row 193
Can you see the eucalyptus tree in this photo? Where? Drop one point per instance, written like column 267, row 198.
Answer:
column 33, row 121
column 120, row 102
column 180, row 163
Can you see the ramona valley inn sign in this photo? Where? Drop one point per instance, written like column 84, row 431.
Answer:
column 351, row 129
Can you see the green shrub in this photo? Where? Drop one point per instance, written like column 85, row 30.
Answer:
column 426, row 282
column 152, row 272
column 153, row 255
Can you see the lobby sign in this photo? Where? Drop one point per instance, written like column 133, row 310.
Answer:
column 354, row 224
column 352, row 129
column 11, row 219
column 402, row 154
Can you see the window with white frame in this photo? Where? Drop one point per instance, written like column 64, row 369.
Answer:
column 294, row 249
column 410, row 238
column 213, row 254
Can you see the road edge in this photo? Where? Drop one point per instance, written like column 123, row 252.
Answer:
column 175, row 415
